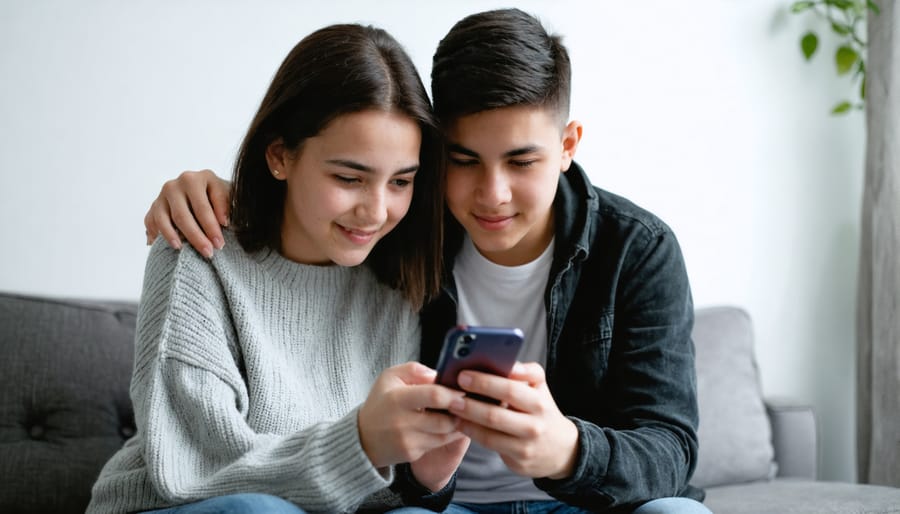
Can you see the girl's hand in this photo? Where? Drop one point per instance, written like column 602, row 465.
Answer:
column 395, row 424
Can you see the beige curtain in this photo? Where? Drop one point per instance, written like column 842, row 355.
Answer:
column 878, row 314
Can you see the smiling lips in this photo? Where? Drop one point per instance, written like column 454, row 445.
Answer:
column 357, row 236
column 493, row 222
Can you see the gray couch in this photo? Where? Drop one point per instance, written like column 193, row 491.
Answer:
column 64, row 409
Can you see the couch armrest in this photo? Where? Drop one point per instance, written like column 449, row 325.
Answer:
column 794, row 438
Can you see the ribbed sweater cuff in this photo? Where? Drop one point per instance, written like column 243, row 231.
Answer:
column 352, row 467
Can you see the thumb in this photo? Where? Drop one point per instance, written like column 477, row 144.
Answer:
column 530, row 372
column 413, row 373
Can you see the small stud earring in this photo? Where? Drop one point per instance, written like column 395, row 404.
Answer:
column 276, row 172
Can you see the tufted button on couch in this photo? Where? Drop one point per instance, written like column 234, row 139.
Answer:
column 65, row 409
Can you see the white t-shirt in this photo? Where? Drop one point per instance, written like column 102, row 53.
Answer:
column 500, row 296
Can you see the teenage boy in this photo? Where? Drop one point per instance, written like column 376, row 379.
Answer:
column 602, row 413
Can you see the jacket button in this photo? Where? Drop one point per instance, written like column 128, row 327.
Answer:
column 126, row 432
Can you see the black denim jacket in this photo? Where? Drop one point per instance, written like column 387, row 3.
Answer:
column 620, row 359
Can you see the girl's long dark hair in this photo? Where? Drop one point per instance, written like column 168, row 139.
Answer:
column 337, row 70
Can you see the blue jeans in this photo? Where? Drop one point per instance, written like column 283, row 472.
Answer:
column 658, row 506
column 245, row 503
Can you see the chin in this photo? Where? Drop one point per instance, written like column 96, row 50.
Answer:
column 350, row 260
column 494, row 244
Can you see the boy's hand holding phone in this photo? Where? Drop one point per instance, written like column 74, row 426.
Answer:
column 531, row 435
column 508, row 407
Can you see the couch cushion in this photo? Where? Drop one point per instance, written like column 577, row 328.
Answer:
column 734, row 433
column 787, row 496
column 64, row 404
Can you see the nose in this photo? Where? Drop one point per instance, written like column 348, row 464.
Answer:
column 493, row 188
column 372, row 207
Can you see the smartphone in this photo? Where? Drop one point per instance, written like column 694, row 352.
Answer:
column 488, row 349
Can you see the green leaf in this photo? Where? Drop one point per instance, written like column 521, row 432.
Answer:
column 808, row 44
column 801, row 6
column 841, row 108
column 840, row 4
column 840, row 28
column 873, row 7
column 845, row 58
column 862, row 89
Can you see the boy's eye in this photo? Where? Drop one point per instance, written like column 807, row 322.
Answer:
column 523, row 164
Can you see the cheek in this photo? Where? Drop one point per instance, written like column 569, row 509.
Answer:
column 537, row 195
column 458, row 190
column 321, row 205
column 400, row 205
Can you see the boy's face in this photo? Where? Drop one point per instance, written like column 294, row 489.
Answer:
column 502, row 174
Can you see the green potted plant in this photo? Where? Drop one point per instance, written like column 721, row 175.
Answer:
column 847, row 21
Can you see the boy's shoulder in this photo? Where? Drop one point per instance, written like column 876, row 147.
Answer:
column 617, row 209
column 608, row 210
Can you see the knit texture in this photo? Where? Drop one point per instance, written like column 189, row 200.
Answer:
column 249, row 370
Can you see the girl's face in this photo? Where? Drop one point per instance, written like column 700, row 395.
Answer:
column 347, row 186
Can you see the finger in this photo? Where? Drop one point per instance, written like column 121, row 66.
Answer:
column 432, row 441
column 163, row 222
column 183, row 218
column 419, row 443
column 411, row 373
column 219, row 194
column 202, row 208
column 489, row 438
column 530, row 372
column 514, row 393
column 493, row 417
column 435, row 422
column 150, row 229
column 459, row 445
column 427, row 396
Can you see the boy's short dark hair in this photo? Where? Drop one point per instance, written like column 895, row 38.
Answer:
column 499, row 58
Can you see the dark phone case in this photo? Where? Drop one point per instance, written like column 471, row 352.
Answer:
column 491, row 350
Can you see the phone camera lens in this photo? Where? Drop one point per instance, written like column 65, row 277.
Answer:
column 468, row 338
column 463, row 352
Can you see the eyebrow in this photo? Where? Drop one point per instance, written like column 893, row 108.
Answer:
column 346, row 163
column 527, row 149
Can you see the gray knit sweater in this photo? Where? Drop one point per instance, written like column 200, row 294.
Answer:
column 249, row 370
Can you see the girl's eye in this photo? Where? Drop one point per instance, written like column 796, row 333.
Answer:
column 523, row 164
column 346, row 179
column 401, row 182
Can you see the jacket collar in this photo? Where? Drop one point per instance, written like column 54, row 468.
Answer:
column 575, row 200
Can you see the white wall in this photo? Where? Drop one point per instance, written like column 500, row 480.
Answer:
column 704, row 113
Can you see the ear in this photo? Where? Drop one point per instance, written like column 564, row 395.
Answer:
column 571, row 136
column 276, row 158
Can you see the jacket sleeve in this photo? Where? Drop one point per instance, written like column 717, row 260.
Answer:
column 191, row 406
column 406, row 491
column 646, row 445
